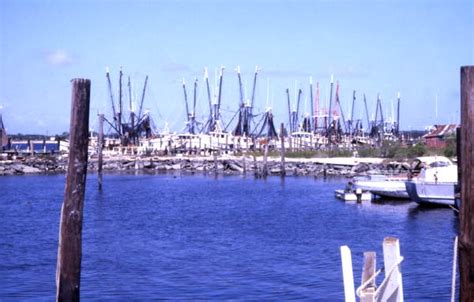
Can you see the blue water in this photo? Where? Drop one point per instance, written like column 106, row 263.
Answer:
column 197, row 237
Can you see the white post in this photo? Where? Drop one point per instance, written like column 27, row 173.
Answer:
column 391, row 258
column 348, row 276
column 455, row 264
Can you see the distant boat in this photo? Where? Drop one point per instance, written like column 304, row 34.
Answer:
column 393, row 186
column 434, row 186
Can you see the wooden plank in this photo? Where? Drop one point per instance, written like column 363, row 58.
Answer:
column 368, row 294
column 68, row 270
column 466, row 214
column 347, row 274
column 393, row 290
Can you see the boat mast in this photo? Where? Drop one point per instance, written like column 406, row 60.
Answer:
column 186, row 103
column 289, row 110
column 311, row 121
column 352, row 113
column 219, row 97
column 132, row 114
column 398, row 115
column 340, row 107
column 120, row 103
column 193, row 116
column 298, row 108
column 367, row 114
column 316, row 107
column 111, row 97
column 210, row 120
column 143, row 98
column 330, row 102
column 252, row 101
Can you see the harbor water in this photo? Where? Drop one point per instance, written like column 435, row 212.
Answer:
column 215, row 238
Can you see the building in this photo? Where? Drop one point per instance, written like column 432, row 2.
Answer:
column 436, row 138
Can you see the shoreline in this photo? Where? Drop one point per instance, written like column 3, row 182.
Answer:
column 224, row 164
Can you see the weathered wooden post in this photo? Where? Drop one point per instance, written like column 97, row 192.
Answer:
column 466, row 214
column 290, row 143
column 200, row 146
column 31, row 147
column 265, row 159
column 226, row 143
column 68, row 270
column 100, row 140
column 368, row 275
column 215, row 162
column 282, row 151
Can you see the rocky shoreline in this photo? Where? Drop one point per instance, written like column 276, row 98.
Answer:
column 225, row 164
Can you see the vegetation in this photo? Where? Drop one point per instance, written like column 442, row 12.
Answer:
column 24, row 137
column 388, row 149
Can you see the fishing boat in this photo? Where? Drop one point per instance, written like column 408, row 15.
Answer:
column 353, row 195
column 434, row 186
column 393, row 186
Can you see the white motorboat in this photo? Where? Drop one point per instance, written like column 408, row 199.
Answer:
column 383, row 185
column 353, row 195
column 434, row 186
column 393, row 186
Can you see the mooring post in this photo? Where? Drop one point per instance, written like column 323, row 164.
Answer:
column 68, row 270
column 100, row 140
column 282, row 150
column 466, row 213
column 32, row 147
column 215, row 161
column 265, row 159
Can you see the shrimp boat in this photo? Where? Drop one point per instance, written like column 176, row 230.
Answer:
column 393, row 186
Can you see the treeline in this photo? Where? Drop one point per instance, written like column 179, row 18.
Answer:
column 21, row 137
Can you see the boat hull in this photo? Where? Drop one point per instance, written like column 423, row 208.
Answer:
column 384, row 188
column 431, row 193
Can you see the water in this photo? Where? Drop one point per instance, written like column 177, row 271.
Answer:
column 197, row 237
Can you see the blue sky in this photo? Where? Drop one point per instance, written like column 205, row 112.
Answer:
column 415, row 47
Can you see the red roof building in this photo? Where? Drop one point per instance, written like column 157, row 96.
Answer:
column 436, row 138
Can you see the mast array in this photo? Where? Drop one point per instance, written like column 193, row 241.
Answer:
column 325, row 123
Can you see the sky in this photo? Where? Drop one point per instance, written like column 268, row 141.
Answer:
column 373, row 47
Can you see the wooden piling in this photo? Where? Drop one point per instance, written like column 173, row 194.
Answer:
column 215, row 162
column 466, row 213
column 265, row 159
column 368, row 293
column 100, row 140
column 282, row 150
column 32, row 147
column 68, row 270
